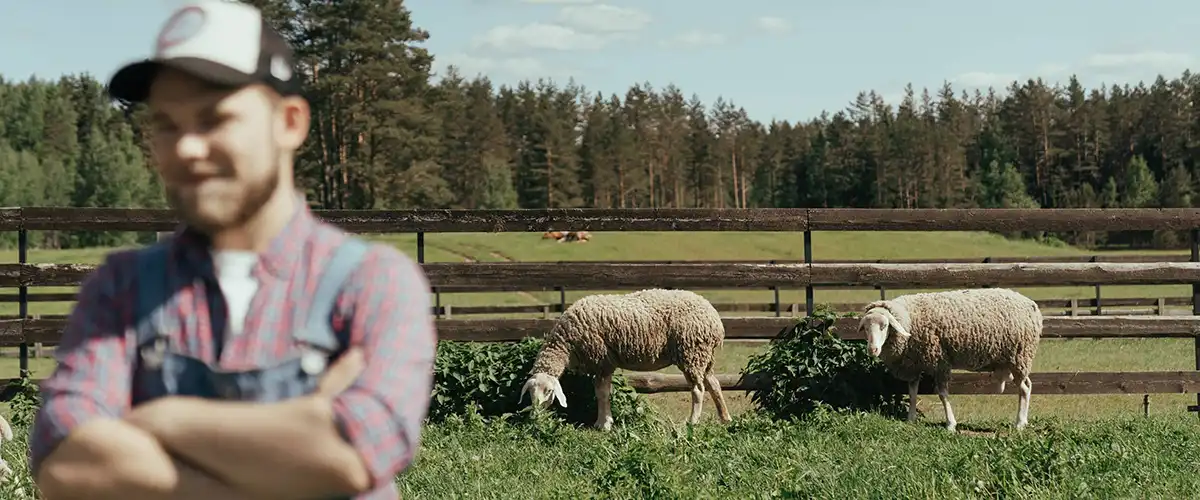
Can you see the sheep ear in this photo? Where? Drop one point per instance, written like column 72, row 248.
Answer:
column 524, row 390
column 895, row 324
column 558, row 394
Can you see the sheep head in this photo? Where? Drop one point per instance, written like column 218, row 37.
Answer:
column 542, row 388
column 877, row 323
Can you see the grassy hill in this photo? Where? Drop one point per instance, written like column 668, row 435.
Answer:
column 1055, row 355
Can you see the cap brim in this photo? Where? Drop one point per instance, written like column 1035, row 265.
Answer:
column 132, row 82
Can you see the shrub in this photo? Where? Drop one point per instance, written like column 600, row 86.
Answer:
column 486, row 378
column 810, row 367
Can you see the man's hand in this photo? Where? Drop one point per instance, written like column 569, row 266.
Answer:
column 344, row 371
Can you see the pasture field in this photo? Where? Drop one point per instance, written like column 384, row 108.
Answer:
column 1054, row 355
column 678, row 245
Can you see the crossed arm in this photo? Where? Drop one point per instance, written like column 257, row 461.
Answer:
column 88, row 443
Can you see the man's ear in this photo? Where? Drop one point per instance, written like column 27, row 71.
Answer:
column 293, row 117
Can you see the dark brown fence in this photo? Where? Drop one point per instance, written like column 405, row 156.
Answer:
column 808, row 274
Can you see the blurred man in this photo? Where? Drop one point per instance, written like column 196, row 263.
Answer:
column 260, row 353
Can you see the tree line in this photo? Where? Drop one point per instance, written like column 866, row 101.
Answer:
column 386, row 134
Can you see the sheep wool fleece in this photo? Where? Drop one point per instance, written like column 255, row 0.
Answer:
column 645, row 330
column 974, row 329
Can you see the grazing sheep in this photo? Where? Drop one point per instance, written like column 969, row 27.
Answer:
column 983, row 330
column 645, row 330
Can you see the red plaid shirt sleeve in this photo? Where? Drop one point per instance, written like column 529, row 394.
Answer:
column 92, row 378
column 381, row 414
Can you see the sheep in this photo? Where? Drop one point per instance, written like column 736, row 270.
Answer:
column 645, row 330
column 983, row 330
column 6, row 434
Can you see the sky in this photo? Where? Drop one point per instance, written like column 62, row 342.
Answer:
column 778, row 60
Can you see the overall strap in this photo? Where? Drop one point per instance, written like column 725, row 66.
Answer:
column 316, row 329
column 152, row 290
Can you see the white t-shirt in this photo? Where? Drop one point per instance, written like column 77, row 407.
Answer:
column 233, row 269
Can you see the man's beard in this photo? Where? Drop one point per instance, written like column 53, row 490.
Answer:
column 254, row 197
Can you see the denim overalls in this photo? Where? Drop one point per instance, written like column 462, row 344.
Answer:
column 162, row 371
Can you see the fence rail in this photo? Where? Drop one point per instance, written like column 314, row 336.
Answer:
column 590, row 276
column 48, row 331
column 808, row 273
column 972, row 383
column 1125, row 306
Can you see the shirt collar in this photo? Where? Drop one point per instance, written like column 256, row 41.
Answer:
column 279, row 259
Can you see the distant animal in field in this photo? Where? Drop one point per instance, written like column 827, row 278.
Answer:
column 565, row 236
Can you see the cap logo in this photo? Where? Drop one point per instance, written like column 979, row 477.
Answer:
column 184, row 24
column 280, row 69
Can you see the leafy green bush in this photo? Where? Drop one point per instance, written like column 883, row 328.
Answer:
column 810, row 367
column 485, row 378
column 25, row 401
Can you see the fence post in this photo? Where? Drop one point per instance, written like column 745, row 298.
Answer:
column 1099, row 308
column 1195, row 243
column 808, row 289
column 23, row 298
column 778, row 311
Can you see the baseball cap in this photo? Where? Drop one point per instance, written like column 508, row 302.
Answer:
column 226, row 43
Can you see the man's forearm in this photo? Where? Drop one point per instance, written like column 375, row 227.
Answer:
column 285, row 450
column 109, row 459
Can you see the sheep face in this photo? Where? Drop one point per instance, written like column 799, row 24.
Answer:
column 542, row 388
column 876, row 325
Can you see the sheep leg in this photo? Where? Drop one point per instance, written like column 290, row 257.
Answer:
column 697, row 396
column 913, row 386
column 603, row 385
column 943, row 390
column 1001, row 377
column 1026, row 390
column 714, row 390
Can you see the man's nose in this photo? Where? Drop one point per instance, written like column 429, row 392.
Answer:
column 191, row 147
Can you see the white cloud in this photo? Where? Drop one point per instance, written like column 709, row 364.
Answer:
column 604, row 18
column 513, row 67
column 538, row 36
column 773, row 25
column 557, row 2
column 695, row 39
column 983, row 79
column 1146, row 60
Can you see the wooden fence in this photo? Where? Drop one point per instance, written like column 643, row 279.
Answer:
column 808, row 274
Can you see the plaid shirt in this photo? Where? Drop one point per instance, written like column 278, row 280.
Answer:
column 386, row 304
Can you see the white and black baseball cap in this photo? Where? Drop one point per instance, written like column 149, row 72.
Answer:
column 226, row 43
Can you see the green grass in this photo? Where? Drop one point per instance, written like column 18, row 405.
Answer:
column 832, row 456
column 840, row 456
